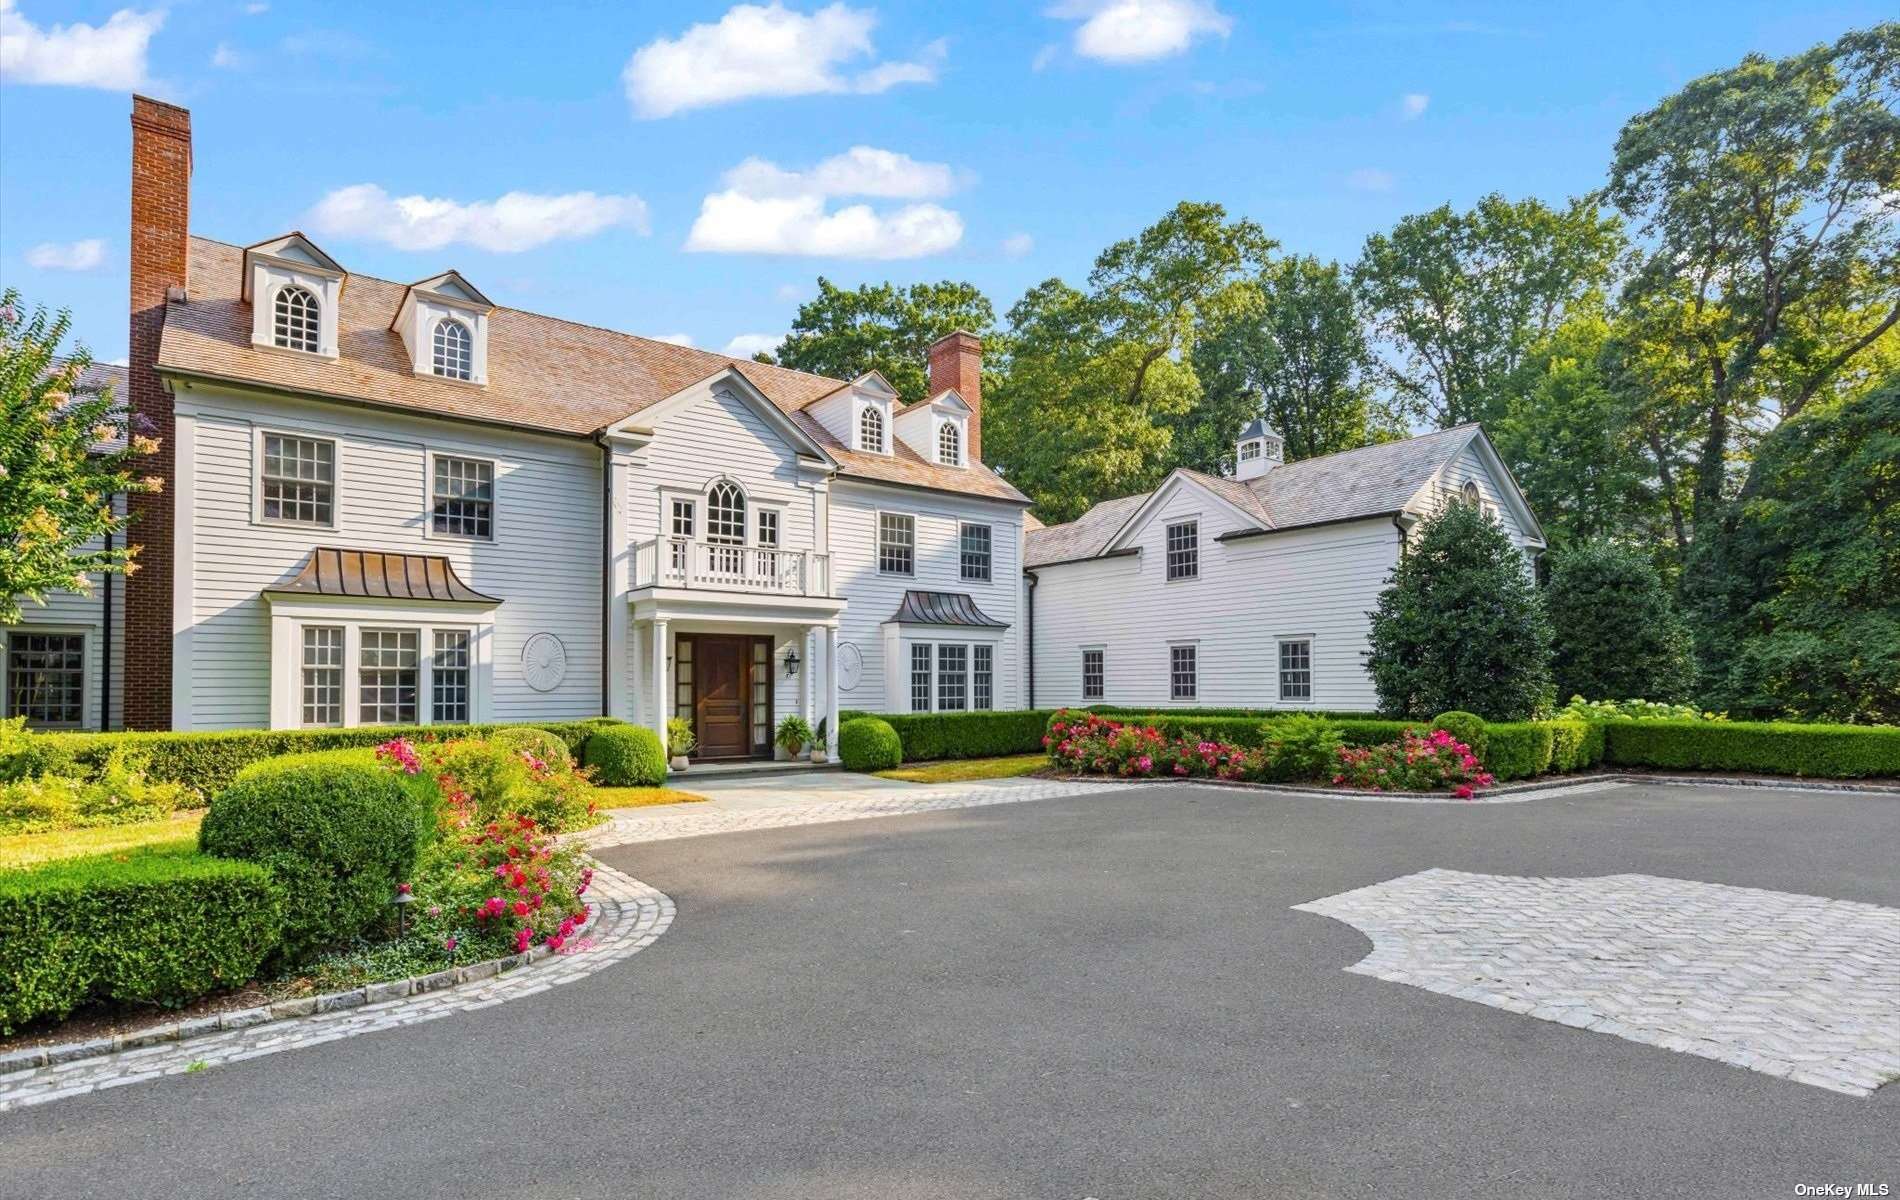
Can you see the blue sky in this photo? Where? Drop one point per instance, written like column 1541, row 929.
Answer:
column 689, row 169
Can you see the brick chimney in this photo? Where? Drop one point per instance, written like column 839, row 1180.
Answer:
column 956, row 365
column 161, row 203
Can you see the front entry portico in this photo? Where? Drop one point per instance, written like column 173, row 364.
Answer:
column 729, row 680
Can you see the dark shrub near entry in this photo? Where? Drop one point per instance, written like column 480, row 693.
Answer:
column 625, row 756
column 336, row 833
column 869, row 744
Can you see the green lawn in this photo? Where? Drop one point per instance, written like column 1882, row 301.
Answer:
column 955, row 770
column 26, row 849
column 641, row 797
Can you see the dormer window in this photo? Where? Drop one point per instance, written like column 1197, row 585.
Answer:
column 454, row 349
column 949, row 445
column 297, row 320
column 871, row 429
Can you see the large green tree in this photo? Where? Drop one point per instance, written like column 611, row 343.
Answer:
column 1460, row 625
column 1093, row 379
column 1290, row 346
column 1805, row 619
column 1615, row 631
column 1456, row 299
column 881, row 327
column 64, row 453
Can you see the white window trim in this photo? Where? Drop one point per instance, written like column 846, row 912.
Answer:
column 258, row 434
column 702, row 515
column 887, row 425
column 86, row 695
column 1312, row 667
column 1082, row 672
column 962, row 431
column 759, row 508
column 897, row 664
column 289, row 617
column 428, row 496
column 468, row 331
column 963, row 524
column 877, row 543
column 1169, row 668
column 1200, row 546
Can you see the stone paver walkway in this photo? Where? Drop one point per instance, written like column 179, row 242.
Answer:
column 1801, row 987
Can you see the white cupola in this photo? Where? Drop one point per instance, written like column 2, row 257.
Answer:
column 1258, row 451
column 443, row 321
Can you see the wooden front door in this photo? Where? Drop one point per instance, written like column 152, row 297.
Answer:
column 721, row 688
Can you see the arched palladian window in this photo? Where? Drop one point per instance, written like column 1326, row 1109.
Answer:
column 725, row 514
column 454, row 349
column 948, row 452
column 296, row 319
column 871, row 429
column 1471, row 493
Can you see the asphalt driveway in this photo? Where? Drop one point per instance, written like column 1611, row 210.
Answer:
column 1103, row 996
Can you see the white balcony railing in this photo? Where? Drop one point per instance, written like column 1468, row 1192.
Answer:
column 684, row 563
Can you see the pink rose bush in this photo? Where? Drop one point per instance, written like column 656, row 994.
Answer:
column 1087, row 744
column 1417, row 762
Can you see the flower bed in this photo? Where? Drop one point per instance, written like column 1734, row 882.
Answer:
column 1417, row 762
column 1086, row 743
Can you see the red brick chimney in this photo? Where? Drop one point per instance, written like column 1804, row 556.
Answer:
column 161, row 204
column 956, row 365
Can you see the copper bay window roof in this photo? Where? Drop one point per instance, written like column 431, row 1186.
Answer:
column 380, row 575
column 942, row 608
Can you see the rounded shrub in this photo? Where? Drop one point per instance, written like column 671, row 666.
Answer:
column 868, row 744
column 337, row 833
column 625, row 756
column 1467, row 727
column 550, row 748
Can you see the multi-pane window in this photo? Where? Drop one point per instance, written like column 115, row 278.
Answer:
column 725, row 525
column 953, row 673
column 46, row 677
column 1296, row 669
column 871, row 429
column 463, row 495
column 1184, row 550
column 299, row 483
column 683, row 678
column 1183, row 672
column 1093, row 675
column 920, row 677
column 682, row 531
column 449, row 677
column 949, row 445
column 768, row 528
column 322, row 675
column 896, row 543
column 295, row 319
column 974, row 552
column 1249, row 451
column 982, row 676
column 454, row 349
column 387, row 671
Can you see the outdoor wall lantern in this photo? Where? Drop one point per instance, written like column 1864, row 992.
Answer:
column 791, row 663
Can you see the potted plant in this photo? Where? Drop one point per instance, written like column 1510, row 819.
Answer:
column 793, row 734
column 679, row 741
column 819, row 743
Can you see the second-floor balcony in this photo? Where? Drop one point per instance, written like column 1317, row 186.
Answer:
column 716, row 566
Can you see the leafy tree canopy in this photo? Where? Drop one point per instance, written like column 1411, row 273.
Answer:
column 881, row 327
column 1616, row 634
column 63, row 455
column 1460, row 625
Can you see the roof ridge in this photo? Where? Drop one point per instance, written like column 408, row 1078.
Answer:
column 1416, row 437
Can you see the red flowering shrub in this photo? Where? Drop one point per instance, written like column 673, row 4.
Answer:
column 499, row 888
column 1417, row 762
column 1088, row 744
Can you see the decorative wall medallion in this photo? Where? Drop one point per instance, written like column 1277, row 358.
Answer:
column 850, row 666
column 544, row 662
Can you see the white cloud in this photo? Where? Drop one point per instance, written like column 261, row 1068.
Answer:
column 672, row 339
column 1369, row 179
column 1128, row 31
column 516, row 221
column 106, row 56
column 766, row 50
column 253, row 10
column 225, row 58
column 82, row 255
column 790, row 291
column 745, row 345
column 1044, row 57
column 1412, row 105
column 765, row 209
column 1016, row 245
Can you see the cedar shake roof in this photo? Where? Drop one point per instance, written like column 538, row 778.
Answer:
column 1370, row 481
column 380, row 575
column 942, row 608
column 544, row 374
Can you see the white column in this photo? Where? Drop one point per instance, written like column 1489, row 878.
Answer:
column 811, row 674
column 830, row 704
column 662, row 689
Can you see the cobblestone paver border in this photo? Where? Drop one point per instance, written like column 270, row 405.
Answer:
column 1799, row 987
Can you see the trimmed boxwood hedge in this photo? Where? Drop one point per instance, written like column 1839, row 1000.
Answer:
column 1765, row 747
column 337, row 832
column 931, row 736
column 155, row 927
column 625, row 756
column 869, row 744
column 210, row 761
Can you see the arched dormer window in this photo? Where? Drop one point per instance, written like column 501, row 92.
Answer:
column 296, row 318
column 949, row 444
column 454, row 349
column 725, row 514
column 1472, row 495
column 871, row 429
